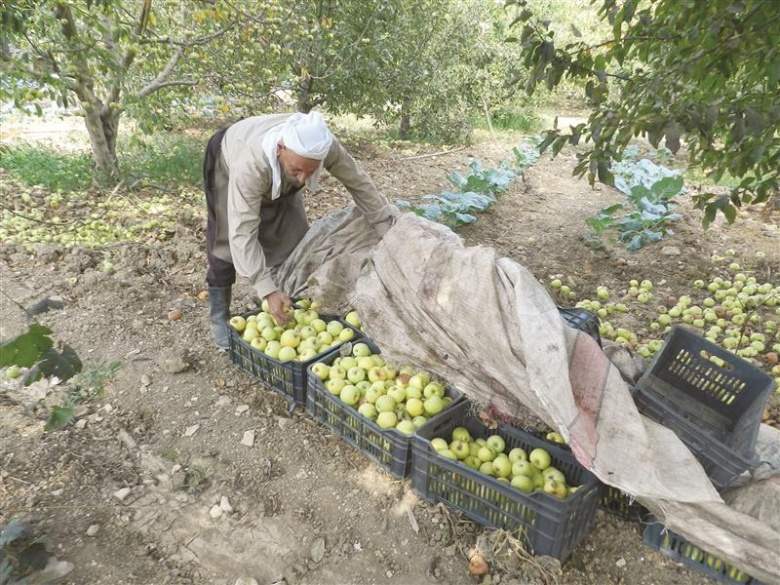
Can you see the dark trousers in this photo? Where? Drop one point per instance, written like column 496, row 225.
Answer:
column 220, row 273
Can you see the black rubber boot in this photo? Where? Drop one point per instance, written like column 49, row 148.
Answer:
column 219, row 314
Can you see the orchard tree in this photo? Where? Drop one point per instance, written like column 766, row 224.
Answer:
column 706, row 74
column 106, row 55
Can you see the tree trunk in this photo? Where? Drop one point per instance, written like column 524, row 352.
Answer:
column 102, row 126
column 405, row 124
column 304, row 104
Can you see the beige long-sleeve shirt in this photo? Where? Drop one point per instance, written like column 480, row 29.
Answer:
column 256, row 233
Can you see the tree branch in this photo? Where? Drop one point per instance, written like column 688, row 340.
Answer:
column 163, row 76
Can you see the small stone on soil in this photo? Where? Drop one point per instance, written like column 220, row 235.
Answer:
column 248, row 439
column 317, row 551
column 121, row 494
column 93, row 529
column 215, row 511
column 224, row 503
column 191, row 430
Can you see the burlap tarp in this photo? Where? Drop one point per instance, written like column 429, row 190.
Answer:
column 485, row 324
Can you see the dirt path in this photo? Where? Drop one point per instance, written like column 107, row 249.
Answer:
column 150, row 461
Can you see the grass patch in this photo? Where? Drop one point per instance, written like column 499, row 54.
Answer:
column 162, row 159
column 49, row 168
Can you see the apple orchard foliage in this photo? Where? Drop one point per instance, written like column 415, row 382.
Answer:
column 707, row 73
column 426, row 62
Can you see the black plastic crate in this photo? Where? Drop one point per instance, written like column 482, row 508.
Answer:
column 389, row 448
column 583, row 320
column 289, row 378
column 715, row 410
column 549, row 526
column 620, row 504
column 678, row 549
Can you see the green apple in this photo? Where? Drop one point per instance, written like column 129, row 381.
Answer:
column 350, row 395
column 398, row 394
column 406, row 427
column 419, row 421
column 361, row 350
column 346, row 335
column 433, row 389
column 365, row 362
column 299, row 315
column 502, row 466
column 353, row 319
column 417, row 381
column 439, row 444
column 287, row 354
column 385, row 404
column 486, row 454
column 433, row 405
column 321, row 370
column 335, row 385
column 474, row 447
column 371, row 395
column 523, row 467
column 12, row 372
column 290, row 339
column 555, row 488
column 387, row 420
column 486, row 467
column 308, row 332
column 413, row 392
column 368, row 410
column 376, row 374
column 319, row 326
column 338, row 373
column 414, row 407
column 272, row 349
column 555, row 438
column 523, row 483
column 324, row 338
column 447, row 454
column 250, row 333
column 518, row 454
column 356, row 375
column 259, row 343
column 461, row 434
column 553, row 473
column 334, row 328
column 496, row 443
column 460, row 448
column 540, row 458
column 238, row 323
column 270, row 333
column 472, row 462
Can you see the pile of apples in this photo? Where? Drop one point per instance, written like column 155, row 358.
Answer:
column 395, row 398
column 734, row 310
column 527, row 472
column 302, row 338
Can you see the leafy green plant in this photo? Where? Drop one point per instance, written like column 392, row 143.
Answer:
column 53, row 170
column 86, row 386
column 481, row 180
column 647, row 219
column 478, row 190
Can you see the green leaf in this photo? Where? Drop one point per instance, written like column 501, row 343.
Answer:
column 26, row 349
column 709, row 215
column 59, row 418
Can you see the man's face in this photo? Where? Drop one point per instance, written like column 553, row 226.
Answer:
column 297, row 169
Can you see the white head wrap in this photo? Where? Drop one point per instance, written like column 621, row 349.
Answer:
column 306, row 135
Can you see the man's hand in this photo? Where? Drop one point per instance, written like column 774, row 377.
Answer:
column 279, row 305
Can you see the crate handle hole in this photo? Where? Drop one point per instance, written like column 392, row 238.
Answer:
column 713, row 359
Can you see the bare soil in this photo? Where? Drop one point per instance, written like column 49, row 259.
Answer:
column 174, row 439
